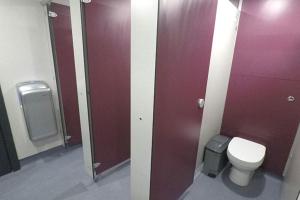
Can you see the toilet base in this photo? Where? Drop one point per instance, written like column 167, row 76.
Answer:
column 240, row 177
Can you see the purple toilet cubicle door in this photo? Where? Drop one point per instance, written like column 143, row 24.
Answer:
column 107, row 24
column 62, row 32
column 185, row 33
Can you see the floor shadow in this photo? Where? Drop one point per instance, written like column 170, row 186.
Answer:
column 254, row 189
column 49, row 155
column 114, row 175
column 73, row 191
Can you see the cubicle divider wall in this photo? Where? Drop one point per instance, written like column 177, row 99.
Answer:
column 107, row 54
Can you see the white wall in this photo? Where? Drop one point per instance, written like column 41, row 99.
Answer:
column 219, row 73
column 25, row 54
column 143, row 55
column 81, row 84
column 291, row 184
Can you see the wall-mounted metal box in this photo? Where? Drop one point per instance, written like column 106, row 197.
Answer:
column 38, row 108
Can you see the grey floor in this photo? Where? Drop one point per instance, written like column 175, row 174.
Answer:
column 263, row 187
column 59, row 175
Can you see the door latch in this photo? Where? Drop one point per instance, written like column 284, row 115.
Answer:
column 201, row 103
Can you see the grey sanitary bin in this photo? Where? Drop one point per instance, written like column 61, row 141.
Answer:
column 37, row 104
column 215, row 157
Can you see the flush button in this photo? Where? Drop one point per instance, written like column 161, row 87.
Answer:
column 291, row 99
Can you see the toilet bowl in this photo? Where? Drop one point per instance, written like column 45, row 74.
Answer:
column 245, row 156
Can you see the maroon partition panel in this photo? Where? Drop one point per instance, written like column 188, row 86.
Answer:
column 66, row 70
column 185, row 33
column 266, row 70
column 108, row 47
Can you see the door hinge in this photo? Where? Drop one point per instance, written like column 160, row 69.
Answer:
column 96, row 165
column 86, row 1
column 67, row 138
column 52, row 14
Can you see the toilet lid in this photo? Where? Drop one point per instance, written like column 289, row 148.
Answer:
column 246, row 150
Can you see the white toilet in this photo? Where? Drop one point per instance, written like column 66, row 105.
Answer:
column 245, row 156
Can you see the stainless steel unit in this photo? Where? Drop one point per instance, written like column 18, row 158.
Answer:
column 38, row 108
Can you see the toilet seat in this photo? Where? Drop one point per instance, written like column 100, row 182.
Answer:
column 246, row 153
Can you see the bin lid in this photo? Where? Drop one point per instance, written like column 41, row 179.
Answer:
column 218, row 143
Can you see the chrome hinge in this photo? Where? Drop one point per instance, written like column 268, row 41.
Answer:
column 86, row 1
column 291, row 99
column 96, row 165
column 67, row 137
column 52, row 14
